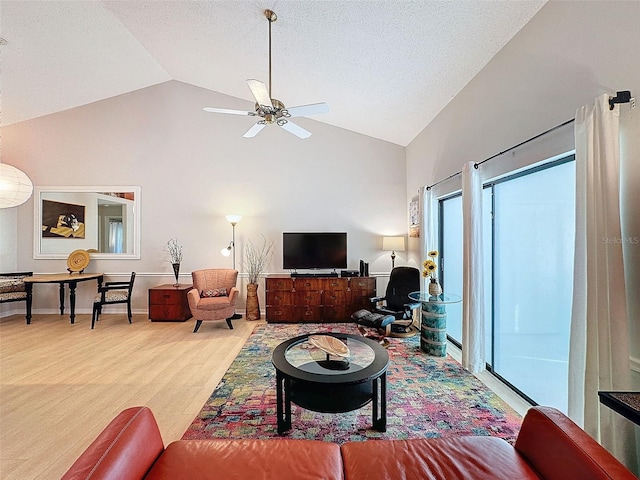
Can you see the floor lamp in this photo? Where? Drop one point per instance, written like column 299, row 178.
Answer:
column 233, row 220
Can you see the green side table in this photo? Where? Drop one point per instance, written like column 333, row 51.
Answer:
column 433, row 325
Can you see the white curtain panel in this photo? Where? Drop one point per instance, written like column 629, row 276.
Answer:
column 599, row 341
column 472, row 275
column 429, row 234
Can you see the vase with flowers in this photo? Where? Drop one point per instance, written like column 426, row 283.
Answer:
column 256, row 260
column 175, row 252
column 429, row 269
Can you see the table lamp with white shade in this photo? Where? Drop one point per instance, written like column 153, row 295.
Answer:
column 393, row 244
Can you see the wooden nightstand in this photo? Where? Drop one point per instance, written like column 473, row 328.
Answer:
column 169, row 304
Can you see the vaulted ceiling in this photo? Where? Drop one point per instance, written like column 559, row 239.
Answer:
column 385, row 67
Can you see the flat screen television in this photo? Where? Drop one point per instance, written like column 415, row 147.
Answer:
column 314, row 250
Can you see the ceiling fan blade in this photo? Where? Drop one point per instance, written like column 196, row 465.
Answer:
column 312, row 109
column 253, row 131
column 297, row 130
column 226, row 110
column 260, row 92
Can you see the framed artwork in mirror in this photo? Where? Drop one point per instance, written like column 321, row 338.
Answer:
column 104, row 220
column 61, row 219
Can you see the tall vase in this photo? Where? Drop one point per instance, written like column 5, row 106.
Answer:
column 253, row 305
column 176, row 272
column 434, row 288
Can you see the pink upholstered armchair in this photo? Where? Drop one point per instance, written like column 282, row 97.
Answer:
column 214, row 295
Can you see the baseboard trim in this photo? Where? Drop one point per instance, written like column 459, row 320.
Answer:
column 86, row 311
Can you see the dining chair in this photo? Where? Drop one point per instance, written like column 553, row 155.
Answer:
column 111, row 293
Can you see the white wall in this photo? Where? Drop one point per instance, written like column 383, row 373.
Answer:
column 8, row 239
column 194, row 168
column 566, row 56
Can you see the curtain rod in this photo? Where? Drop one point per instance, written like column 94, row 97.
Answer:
column 477, row 164
column 623, row 96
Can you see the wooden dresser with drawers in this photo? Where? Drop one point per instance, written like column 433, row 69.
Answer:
column 316, row 299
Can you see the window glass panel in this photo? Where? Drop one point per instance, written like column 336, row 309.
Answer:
column 532, row 280
column 487, row 247
column 451, row 261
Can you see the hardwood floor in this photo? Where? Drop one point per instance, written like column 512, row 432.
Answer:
column 61, row 384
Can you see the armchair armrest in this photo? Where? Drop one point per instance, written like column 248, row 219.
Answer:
column 412, row 305
column 233, row 295
column 126, row 449
column 377, row 299
column 114, row 286
column 193, row 297
column 558, row 448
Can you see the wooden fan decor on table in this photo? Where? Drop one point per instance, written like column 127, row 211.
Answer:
column 330, row 345
column 77, row 261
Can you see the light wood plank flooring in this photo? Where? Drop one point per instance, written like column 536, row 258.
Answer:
column 60, row 384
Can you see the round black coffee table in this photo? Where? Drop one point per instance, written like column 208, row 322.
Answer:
column 310, row 378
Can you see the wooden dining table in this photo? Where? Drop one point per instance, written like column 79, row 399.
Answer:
column 71, row 279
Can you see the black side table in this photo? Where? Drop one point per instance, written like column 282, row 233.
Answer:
column 626, row 404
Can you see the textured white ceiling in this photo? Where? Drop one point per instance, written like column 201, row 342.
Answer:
column 385, row 67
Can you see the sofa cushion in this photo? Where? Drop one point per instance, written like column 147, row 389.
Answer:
column 112, row 296
column 11, row 284
column 455, row 458
column 249, row 459
column 213, row 303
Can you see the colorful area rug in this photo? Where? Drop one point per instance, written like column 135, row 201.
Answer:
column 426, row 397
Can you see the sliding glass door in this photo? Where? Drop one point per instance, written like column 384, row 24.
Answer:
column 529, row 223
column 532, row 278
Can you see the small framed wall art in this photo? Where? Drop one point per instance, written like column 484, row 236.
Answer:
column 414, row 218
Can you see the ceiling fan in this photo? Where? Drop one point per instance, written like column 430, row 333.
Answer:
column 271, row 110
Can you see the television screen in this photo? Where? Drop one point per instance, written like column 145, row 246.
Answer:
column 314, row 250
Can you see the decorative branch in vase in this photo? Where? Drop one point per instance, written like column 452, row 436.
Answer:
column 175, row 252
column 256, row 260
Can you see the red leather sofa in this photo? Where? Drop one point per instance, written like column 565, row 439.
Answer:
column 549, row 446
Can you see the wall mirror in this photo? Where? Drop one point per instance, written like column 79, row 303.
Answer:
column 105, row 220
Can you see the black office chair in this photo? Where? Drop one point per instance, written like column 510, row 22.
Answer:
column 393, row 313
column 110, row 293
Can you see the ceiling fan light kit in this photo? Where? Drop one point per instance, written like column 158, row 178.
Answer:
column 270, row 110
